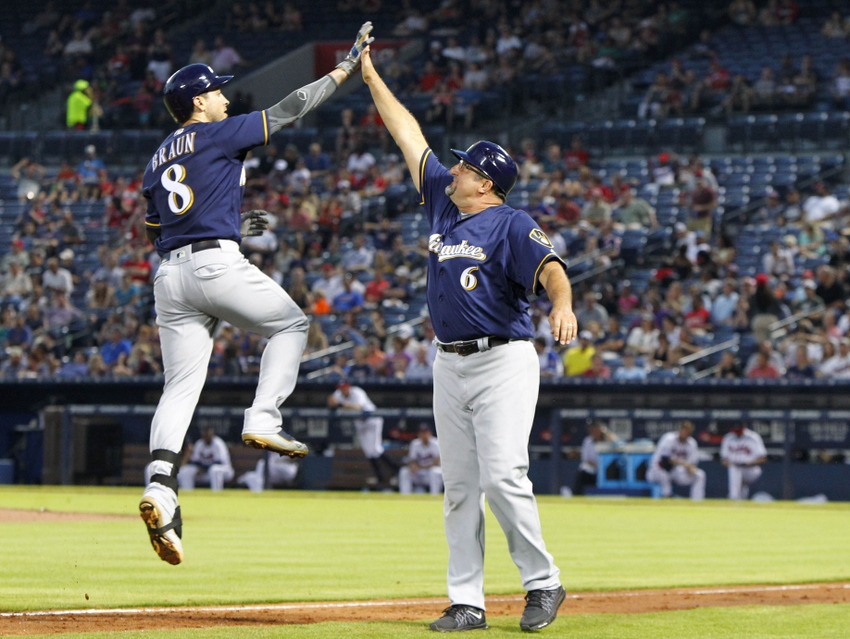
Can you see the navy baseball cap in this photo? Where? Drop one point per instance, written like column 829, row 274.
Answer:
column 188, row 83
column 494, row 162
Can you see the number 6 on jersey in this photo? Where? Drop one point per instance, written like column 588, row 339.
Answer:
column 467, row 280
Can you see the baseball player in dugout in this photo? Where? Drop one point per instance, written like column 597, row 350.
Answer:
column 589, row 466
column 483, row 257
column 206, row 461
column 194, row 185
column 370, row 428
column 675, row 461
column 742, row 451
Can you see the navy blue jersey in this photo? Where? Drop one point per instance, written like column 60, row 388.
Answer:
column 479, row 268
column 195, row 181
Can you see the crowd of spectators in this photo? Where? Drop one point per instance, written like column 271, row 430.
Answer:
column 471, row 47
column 792, row 82
column 680, row 91
column 541, row 39
column 71, row 308
column 125, row 55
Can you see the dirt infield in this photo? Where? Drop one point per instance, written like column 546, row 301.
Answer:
column 16, row 516
column 628, row 601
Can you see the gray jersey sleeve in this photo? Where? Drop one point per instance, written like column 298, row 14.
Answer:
column 300, row 102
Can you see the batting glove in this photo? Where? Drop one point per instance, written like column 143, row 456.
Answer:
column 254, row 223
column 352, row 60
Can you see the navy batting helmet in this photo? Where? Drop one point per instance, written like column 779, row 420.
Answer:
column 494, row 162
column 188, row 83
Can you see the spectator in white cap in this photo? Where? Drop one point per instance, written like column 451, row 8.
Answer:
column 402, row 289
column 811, row 300
column 821, row 206
column 351, row 206
column 778, row 262
column 591, row 311
column 89, row 169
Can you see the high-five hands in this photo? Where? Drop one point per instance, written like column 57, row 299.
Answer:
column 352, row 60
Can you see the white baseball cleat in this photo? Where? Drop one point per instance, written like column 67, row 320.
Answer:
column 164, row 530
column 281, row 443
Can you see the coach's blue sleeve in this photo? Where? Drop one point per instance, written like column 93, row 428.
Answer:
column 529, row 249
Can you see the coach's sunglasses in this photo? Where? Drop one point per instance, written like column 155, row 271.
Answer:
column 464, row 165
column 467, row 166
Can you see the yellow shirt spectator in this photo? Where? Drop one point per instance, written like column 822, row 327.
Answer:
column 579, row 358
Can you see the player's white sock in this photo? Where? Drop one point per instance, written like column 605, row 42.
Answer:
column 164, row 496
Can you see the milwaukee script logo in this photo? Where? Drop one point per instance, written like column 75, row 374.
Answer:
column 451, row 251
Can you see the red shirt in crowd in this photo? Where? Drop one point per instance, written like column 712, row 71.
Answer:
column 766, row 372
column 375, row 289
column 138, row 270
column 697, row 318
column 428, row 81
column 717, row 78
column 575, row 158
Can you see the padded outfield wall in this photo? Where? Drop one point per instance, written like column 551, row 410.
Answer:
column 802, row 424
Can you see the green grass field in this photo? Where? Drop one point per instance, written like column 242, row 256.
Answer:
column 299, row 546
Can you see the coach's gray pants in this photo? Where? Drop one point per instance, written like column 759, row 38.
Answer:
column 193, row 292
column 484, row 407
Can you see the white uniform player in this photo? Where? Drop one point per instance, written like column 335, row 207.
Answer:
column 209, row 463
column 282, row 470
column 369, row 428
column 423, row 465
column 741, row 451
column 589, row 466
column 675, row 460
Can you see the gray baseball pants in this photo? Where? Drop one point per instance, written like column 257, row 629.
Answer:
column 484, row 407
column 193, row 293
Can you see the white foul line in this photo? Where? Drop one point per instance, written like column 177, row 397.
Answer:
column 416, row 602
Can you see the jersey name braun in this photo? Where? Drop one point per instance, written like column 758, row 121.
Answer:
column 195, row 181
column 180, row 145
column 480, row 267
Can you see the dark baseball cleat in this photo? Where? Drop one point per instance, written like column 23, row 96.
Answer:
column 458, row 618
column 165, row 531
column 541, row 608
column 281, row 443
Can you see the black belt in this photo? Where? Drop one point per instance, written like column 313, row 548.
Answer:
column 473, row 346
column 205, row 245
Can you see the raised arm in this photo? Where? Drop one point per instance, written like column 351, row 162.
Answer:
column 399, row 121
column 301, row 101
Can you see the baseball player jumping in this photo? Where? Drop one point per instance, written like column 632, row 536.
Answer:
column 194, row 185
column 484, row 256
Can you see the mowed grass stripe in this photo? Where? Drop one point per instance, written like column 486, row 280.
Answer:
column 296, row 546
